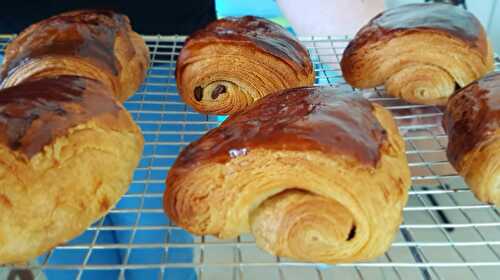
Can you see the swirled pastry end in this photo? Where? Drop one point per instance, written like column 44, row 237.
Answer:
column 235, row 61
column 419, row 51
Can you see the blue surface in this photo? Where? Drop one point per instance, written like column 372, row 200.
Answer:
column 262, row 8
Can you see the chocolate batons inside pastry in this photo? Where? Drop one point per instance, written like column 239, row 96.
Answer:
column 311, row 175
column 472, row 121
column 68, row 150
column 420, row 52
column 233, row 62
column 94, row 44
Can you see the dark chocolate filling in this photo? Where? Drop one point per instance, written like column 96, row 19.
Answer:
column 352, row 233
column 219, row 89
column 198, row 93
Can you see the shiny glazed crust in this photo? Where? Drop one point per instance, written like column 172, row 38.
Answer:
column 235, row 61
column 312, row 204
column 53, row 195
column 420, row 52
column 129, row 49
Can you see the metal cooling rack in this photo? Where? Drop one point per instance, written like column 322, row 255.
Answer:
column 446, row 234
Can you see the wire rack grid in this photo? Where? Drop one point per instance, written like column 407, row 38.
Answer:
column 446, row 234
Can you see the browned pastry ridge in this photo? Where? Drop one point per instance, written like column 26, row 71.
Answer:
column 420, row 52
column 312, row 175
column 88, row 43
column 233, row 62
column 60, row 166
column 472, row 121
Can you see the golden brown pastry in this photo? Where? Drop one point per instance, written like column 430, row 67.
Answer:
column 472, row 121
column 233, row 62
column 94, row 44
column 420, row 52
column 61, row 167
column 313, row 176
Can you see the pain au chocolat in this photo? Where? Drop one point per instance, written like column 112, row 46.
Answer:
column 68, row 150
column 312, row 175
column 232, row 62
column 472, row 121
column 420, row 52
column 96, row 44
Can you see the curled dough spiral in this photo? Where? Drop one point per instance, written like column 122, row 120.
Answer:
column 233, row 62
column 420, row 52
column 472, row 121
column 299, row 223
column 312, row 176
column 420, row 83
